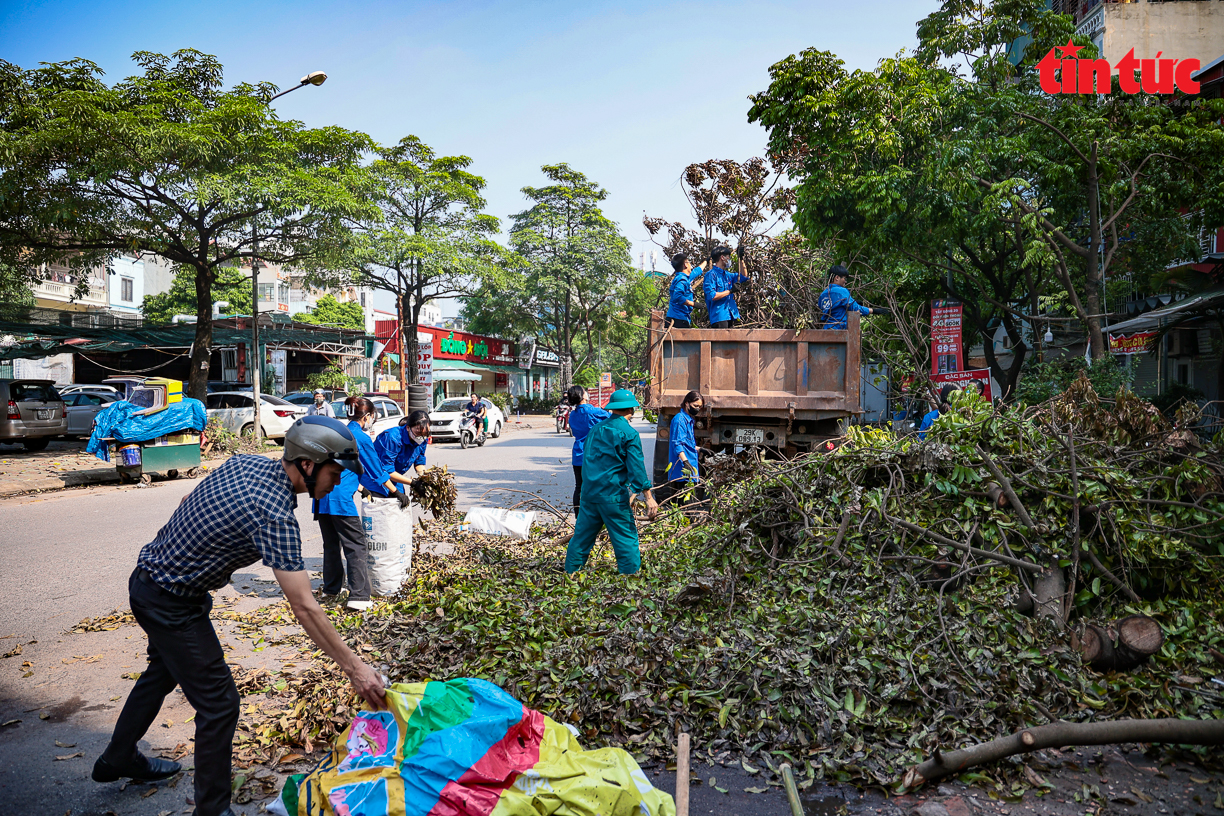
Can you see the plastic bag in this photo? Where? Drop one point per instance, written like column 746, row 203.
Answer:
column 388, row 532
column 493, row 521
column 466, row 747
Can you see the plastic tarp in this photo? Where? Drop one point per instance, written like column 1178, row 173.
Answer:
column 118, row 421
column 467, row 747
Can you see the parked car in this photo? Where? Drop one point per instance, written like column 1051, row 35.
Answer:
column 444, row 419
column 90, row 388
column 82, row 407
column 235, row 411
column 307, row 397
column 35, row 413
column 390, row 412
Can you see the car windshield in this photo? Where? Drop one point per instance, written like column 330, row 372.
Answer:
column 32, row 392
column 453, row 405
column 300, row 399
column 338, row 408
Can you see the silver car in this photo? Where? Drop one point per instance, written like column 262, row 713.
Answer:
column 82, row 407
column 34, row 413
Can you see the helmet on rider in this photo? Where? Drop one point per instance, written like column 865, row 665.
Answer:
column 320, row 439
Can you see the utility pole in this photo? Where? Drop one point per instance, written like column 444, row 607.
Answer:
column 256, row 362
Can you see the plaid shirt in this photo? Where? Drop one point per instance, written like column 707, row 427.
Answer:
column 241, row 513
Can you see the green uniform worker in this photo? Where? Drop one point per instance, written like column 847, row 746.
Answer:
column 612, row 468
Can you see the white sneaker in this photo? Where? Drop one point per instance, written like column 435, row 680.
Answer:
column 359, row 606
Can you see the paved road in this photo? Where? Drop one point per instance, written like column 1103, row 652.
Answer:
column 67, row 555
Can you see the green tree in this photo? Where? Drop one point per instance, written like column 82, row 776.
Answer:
column 331, row 312
column 167, row 163
column 429, row 237
column 576, row 270
column 230, row 285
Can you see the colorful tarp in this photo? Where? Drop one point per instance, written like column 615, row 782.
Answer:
column 120, row 422
column 467, row 748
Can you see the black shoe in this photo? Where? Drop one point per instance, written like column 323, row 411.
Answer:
column 140, row 769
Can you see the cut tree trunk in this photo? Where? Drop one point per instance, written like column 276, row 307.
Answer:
column 1049, row 591
column 997, row 496
column 1059, row 734
column 1123, row 646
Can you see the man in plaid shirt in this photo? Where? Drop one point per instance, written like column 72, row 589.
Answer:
column 240, row 514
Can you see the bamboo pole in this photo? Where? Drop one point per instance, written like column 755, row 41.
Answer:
column 682, row 775
column 792, row 791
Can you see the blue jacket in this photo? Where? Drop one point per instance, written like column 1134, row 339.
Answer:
column 927, row 422
column 581, row 419
column 680, row 440
column 720, row 280
column 678, row 295
column 397, row 450
column 835, row 302
column 339, row 502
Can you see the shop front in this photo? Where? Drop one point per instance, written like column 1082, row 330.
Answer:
column 542, row 371
column 464, row 362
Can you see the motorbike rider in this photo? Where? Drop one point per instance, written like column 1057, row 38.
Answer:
column 240, row 513
column 476, row 408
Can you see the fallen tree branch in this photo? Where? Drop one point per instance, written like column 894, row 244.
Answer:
column 1059, row 734
column 1109, row 576
column 980, row 553
column 1008, row 490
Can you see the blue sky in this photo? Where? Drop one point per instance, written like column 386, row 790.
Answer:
column 628, row 93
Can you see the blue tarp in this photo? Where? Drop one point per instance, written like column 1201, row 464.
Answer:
column 117, row 421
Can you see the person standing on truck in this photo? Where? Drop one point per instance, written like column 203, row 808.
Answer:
column 613, row 468
column 680, row 292
column 720, row 289
column 343, row 536
column 240, row 513
column 682, row 469
column 835, row 301
column 402, row 448
column 583, row 416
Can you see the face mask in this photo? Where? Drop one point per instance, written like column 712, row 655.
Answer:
column 417, row 439
column 693, row 409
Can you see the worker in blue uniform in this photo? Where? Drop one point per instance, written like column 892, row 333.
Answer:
column 582, row 417
column 945, row 405
column 719, row 289
column 680, row 292
column 403, row 448
column 682, row 467
column 613, row 468
column 343, row 536
column 836, row 302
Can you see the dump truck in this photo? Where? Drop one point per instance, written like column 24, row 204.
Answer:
column 786, row 391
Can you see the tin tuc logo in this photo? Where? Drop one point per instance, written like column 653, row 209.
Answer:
column 1156, row 76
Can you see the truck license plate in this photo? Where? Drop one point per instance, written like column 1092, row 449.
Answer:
column 44, row 413
column 749, row 436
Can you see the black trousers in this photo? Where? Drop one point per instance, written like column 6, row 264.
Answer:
column 183, row 651
column 577, row 486
column 344, row 533
column 670, row 493
column 672, row 323
column 724, row 324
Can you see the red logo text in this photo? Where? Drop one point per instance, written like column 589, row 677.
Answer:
column 1085, row 76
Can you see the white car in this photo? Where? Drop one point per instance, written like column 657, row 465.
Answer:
column 444, row 419
column 235, row 410
column 390, row 413
column 113, row 393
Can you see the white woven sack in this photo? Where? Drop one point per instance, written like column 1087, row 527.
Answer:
column 388, row 532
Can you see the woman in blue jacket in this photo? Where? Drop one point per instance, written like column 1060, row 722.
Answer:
column 403, row 449
column 682, row 467
column 337, row 513
column 582, row 417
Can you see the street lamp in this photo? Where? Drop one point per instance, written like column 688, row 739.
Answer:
column 313, row 78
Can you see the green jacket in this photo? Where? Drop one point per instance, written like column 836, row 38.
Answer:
column 612, row 465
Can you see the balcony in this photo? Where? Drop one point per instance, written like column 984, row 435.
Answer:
column 65, row 292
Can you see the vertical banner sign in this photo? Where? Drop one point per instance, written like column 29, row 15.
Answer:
column 425, row 359
column 946, row 350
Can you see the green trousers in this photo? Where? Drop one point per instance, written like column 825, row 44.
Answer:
column 593, row 516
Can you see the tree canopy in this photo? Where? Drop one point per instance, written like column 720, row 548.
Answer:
column 230, row 284
column 166, row 162
column 331, row 312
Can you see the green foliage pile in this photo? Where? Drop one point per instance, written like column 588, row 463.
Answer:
column 1044, row 381
column 764, row 633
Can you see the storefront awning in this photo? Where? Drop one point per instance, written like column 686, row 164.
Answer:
column 453, row 375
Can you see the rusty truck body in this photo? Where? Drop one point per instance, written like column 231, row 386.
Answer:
column 788, row 391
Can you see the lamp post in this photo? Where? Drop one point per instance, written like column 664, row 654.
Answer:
column 256, row 364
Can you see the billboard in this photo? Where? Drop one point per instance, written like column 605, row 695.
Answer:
column 947, row 354
column 963, row 379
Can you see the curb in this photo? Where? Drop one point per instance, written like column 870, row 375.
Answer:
column 75, row 478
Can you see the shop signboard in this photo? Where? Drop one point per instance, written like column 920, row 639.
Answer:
column 946, row 350
column 1138, row 343
column 963, row 379
column 472, row 348
column 425, row 359
column 546, row 358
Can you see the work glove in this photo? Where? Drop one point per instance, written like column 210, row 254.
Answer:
column 417, row 488
column 880, row 310
column 365, row 494
column 739, row 252
column 403, row 498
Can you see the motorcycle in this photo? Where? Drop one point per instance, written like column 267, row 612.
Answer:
column 562, row 416
column 471, row 430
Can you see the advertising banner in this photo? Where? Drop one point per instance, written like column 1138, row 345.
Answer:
column 425, row 359
column 1137, row 343
column 964, row 379
column 947, row 354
